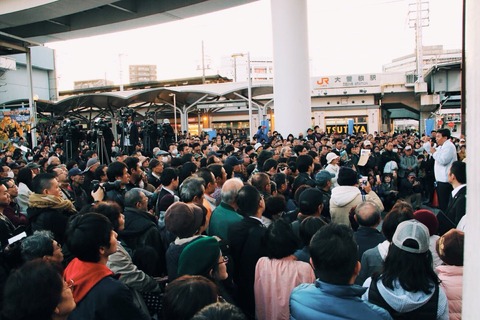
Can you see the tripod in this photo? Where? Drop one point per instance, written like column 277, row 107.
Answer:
column 124, row 127
column 68, row 147
column 101, row 148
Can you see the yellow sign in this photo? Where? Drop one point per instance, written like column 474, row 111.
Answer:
column 343, row 129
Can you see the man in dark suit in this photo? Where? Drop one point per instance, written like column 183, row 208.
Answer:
column 457, row 205
column 368, row 216
column 246, row 243
column 130, row 136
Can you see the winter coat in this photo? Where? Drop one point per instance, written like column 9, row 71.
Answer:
column 327, row 301
column 452, row 283
column 344, row 198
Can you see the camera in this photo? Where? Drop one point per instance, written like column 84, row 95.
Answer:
column 124, row 113
column 68, row 130
column 101, row 124
column 107, row 186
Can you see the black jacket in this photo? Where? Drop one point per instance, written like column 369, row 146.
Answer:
column 108, row 299
column 116, row 195
column 302, row 178
column 247, row 246
column 49, row 219
column 455, row 211
column 153, row 180
column 141, row 230
column 367, row 238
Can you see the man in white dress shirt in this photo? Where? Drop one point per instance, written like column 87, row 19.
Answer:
column 444, row 154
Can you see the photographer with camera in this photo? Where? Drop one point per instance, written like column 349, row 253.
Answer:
column 168, row 135
column 150, row 134
column 114, row 189
column 129, row 130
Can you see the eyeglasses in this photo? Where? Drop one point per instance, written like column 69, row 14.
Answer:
column 225, row 260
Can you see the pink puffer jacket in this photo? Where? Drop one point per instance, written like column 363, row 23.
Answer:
column 452, row 277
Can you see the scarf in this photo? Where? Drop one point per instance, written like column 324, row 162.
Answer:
column 47, row 201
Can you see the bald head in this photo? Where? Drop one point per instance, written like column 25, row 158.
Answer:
column 230, row 190
column 367, row 214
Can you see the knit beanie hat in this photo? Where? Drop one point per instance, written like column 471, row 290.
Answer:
column 428, row 218
column 199, row 257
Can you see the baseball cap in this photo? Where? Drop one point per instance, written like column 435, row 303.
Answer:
column 408, row 147
column 257, row 145
column 91, row 162
column 74, row 172
column 33, row 165
column 322, row 177
column 367, row 143
column 213, row 153
column 233, row 161
column 412, row 230
column 161, row 153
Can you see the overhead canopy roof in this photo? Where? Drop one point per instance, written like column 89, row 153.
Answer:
column 56, row 20
column 110, row 102
column 401, row 111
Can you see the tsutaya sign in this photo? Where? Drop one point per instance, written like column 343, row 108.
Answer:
column 353, row 80
column 343, row 129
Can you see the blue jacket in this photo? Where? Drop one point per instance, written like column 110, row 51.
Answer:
column 326, row 301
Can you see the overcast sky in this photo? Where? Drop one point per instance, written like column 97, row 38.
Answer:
column 345, row 36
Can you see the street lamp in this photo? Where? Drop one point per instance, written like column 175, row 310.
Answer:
column 234, row 56
column 175, row 113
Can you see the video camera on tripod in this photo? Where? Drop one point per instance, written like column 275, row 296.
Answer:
column 68, row 129
column 124, row 113
column 103, row 136
column 101, row 124
column 69, row 135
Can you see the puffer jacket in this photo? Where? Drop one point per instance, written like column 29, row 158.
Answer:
column 344, row 198
column 328, row 301
column 452, row 279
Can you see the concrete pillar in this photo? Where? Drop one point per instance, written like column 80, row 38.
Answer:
column 184, row 119
column 291, row 66
column 471, row 289
column 373, row 120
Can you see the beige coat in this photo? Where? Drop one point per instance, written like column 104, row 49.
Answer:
column 344, row 198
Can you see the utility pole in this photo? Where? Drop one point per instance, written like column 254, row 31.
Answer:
column 418, row 19
column 203, row 64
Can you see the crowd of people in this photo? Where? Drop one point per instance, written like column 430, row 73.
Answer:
column 310, row 227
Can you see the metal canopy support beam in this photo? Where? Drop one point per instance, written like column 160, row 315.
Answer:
column 196, row 102
column 121, row 8
column 12, row 46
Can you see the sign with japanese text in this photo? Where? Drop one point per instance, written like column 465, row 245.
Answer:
column 346, row 81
